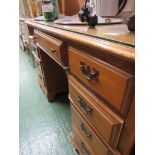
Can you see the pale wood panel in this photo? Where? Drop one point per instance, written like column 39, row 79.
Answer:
column 107, row 123
column 96, row 144
column 127, row 138
column 112, row 84
column 52, row 45
column 70, row 7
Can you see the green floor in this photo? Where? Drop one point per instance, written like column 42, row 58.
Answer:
column 44, row 126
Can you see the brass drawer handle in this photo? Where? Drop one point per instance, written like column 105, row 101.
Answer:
column 85, row 130
column 87, row 109
column 53, row 50
column 32, row 37
column 84, row 148
column 90, row 74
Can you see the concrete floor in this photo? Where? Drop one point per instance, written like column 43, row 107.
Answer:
column 44, row 126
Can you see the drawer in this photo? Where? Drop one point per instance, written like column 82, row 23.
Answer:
column 108, row 124
column 88, row 134
column 35, row 49
column 52, row 46
column 81, row 144
column 111, row 83
column 76, row 144
column 37, row 61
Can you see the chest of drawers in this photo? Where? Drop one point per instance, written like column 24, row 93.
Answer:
column 95, row 112
column 99, row 76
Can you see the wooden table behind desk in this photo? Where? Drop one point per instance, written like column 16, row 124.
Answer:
column 70, row 7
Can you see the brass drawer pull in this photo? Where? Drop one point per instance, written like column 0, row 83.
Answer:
column 84, row 105
column 85, row 149
column 85, row 130
column 53, row 50
column 32, row 37
column 90, row 74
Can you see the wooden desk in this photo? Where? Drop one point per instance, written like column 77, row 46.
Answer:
column 97, row 67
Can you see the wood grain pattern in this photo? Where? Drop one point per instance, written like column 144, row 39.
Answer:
column 127, row 138
column 35, row 49
column 54, row 76
column 50, row 95
column 112, row 84
column 52, row 45
column 111, row 98
column 95, row 143
column 102, row 118
column 114, row 32
column 117, row 50
column 68, row 7
column 78, row 140
column 38, row 64
column 75, row 143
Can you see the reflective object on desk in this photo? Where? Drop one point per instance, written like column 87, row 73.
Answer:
column 74, row 20
column 50, row 10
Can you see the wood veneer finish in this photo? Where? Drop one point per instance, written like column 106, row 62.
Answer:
column 55, row 77
column 70, row 7
column 113, row 49
column 112, row 84
column 50, row 95
column 75, row 143
column 102, row 118
column 127, row 138
column 78, row 140
column 119, row 57
column 37, row 61
column 52, row 45
column 95, row 143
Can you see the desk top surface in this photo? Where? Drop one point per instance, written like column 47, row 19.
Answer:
column 117, row 34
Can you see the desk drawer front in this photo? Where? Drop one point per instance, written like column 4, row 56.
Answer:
column 49, row 44
column 102, row 118
column 110, row 83
column 88, row 134
column 35, row 49
column 37, row 61
column 82, row 144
